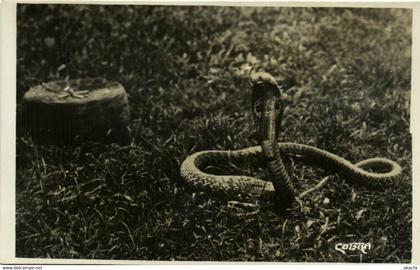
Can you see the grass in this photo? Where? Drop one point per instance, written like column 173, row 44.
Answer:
column 346, row 74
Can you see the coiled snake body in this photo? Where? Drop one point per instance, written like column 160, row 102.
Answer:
column 266, row 110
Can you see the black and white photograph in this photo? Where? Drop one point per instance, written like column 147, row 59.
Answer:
column 213, row 133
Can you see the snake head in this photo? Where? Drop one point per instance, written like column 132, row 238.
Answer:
column 264, row 85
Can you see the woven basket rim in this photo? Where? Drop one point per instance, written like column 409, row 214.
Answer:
column 41, row 94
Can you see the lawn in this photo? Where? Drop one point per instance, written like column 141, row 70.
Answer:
column 346, row 79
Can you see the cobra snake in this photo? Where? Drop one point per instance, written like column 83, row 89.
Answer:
column 267, row 109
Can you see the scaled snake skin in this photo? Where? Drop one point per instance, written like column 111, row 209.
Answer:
column 266, row 106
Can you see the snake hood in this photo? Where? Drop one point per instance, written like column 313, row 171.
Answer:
column 264, row 86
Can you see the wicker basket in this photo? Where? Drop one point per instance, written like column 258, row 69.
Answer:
column 77, row 110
